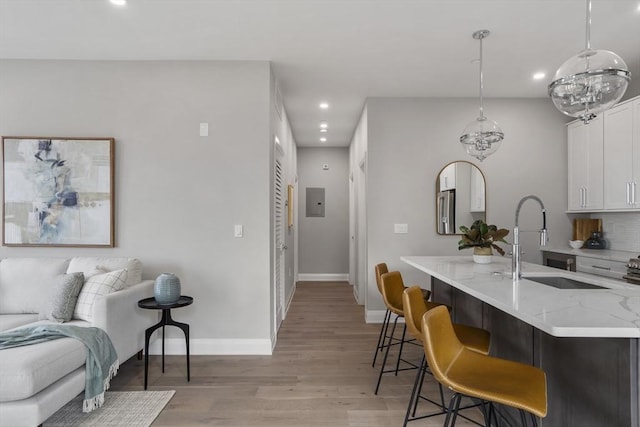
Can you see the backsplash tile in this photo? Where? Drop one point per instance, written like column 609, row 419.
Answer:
column 621, row 230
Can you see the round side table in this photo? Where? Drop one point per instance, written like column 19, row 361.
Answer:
column 152, row 304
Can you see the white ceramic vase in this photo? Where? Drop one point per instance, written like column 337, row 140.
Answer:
column 482, row 255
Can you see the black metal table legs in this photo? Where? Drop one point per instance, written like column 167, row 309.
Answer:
column 165, row 321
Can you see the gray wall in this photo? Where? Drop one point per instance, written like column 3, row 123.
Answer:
column 411, row 139
column 324, row 242
column 178, row 195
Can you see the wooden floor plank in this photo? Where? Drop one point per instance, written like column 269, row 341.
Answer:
column 320, row 374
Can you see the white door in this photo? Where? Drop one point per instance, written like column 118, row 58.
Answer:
column 361, row 232
column 280, row 246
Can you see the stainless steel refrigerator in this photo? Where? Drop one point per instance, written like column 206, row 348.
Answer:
column 447, row 212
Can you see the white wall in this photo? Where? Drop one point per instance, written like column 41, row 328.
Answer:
column 411, row 139
column 324, row 241
column 178, row 195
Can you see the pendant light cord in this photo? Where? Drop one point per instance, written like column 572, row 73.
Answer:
column 588, row 32
column 481, row 81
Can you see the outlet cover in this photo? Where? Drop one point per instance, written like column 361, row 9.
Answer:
column 400, row 228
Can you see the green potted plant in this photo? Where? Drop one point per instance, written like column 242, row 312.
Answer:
column 482, row 238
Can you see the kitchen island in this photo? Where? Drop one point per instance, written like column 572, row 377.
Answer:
column 586, row 340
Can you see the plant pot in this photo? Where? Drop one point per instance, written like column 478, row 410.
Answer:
column 482, row 255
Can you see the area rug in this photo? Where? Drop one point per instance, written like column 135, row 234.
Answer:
column 121, row 408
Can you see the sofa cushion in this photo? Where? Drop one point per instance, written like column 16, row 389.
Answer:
column 95, row 287
column 62, row 299
column 26, row 370
column 10, row 321
column 24, row 282
column 88, row 264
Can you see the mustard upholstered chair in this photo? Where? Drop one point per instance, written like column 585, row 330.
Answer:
column 473, row 338
column 381, row 269
column 469, row 373
column 392, row 288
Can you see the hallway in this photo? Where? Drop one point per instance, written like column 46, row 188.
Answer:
column 319, row 375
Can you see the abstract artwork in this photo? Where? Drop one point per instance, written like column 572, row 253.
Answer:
column 58, row 191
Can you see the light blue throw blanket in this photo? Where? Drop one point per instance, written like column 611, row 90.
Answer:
column 102, row 360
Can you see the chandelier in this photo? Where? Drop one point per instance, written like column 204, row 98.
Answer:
column 483, row 136
column 590, row 82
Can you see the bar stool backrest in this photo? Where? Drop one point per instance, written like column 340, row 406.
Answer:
column 392, row 289
column 414, row 308
column 380, row 270
column 441, row 345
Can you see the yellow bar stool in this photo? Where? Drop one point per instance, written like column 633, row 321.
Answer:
column 475, row 339
column 392, row 288
column 381, row 269
column 469, row 373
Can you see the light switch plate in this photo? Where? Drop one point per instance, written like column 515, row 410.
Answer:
column 400, row 228
column 237, row 230
column 204, row 129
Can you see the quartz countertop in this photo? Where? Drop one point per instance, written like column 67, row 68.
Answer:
column 607, row 254
column 613, row 312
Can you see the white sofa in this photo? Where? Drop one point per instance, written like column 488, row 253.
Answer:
column 37, row 380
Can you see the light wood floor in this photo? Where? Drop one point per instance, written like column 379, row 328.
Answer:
column 320, row 374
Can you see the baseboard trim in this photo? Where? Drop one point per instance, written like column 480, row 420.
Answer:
column 377, row 316
column 222, row 347
column 323, row 277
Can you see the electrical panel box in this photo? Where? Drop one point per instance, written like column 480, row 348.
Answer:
column 315, row 202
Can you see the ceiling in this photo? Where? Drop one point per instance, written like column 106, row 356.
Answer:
column 339, row 51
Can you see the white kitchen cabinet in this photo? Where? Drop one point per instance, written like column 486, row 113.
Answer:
column 622, row 156
column 448, row 177
column 477, row 196
column 601, row 267
column 585, row 168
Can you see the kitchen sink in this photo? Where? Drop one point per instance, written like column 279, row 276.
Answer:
column 563, row 283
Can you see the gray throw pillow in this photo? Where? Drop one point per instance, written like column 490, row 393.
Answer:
column 63, row 297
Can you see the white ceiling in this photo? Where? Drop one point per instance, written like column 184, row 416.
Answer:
column 341, row 51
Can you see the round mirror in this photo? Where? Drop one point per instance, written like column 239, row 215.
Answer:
column 460, row 197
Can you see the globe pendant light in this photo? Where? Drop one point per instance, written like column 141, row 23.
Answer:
column 590, row 82
column 483, row 136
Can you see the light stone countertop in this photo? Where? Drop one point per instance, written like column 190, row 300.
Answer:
column 611, row 312
column 606, row 254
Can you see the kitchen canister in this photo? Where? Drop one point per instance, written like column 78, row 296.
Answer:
column 166, row 289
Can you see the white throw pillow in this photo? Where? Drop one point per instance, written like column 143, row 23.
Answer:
column 95, row 287
column 86, row 264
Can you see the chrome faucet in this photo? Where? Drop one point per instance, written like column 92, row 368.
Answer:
column 516, row 267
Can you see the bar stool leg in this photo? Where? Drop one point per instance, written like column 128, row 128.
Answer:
column 383, row 335
column 452, row 405
column 415, row 395
column 386, row 354
column 404, row 333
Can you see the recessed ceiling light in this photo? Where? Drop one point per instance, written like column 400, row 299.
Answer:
column 323, row 130
column 323, row 139
column 323, row 125
column 118, row 2
column 539, row 76
column 324, row 105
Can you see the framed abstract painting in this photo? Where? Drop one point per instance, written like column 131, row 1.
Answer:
column 58, row 191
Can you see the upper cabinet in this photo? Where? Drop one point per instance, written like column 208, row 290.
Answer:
column 585, row 150
column 448, row 177
column 477, row 193
column 604, row 161
column 622, row 156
